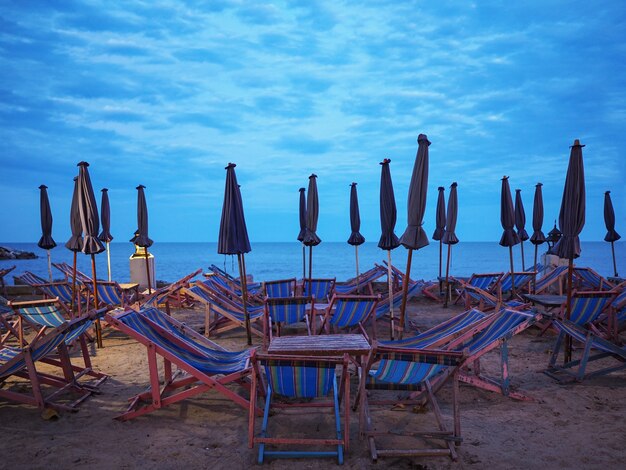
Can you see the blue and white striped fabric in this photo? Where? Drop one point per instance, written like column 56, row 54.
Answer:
column 586, row 309
column 300, row 379
column 320, row 289
column 286, row 310
column 414, row 289
column 277, row 289
column 43, row 315
column 520, row 279
column 351, row 312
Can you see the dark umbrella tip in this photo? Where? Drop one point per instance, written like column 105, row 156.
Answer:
column 441, row 188
column 423, row 138
column 230, row 165
column 518, row 190
column 43, row 186
column 85, row 164
column 386, row 161
column 505, row 178
column 301, row 190
column 607, row 192
column 577, row 143
column 141, row 186
column 539, row 184
column 352, row 184
column 454, row 185
column 313, row 175
column 104, row 190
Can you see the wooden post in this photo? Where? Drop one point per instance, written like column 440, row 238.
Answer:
column 244, row 296
column 521, row 245
column 567, row 355
column 512, row 277
column 145, row 248
column 614, row 264
column 356, row 254
column 448, row 293
column 109, row 261
column 535, row 277
column 74, row 296
column 405, row 290
column 96, row 302
column 390, row 283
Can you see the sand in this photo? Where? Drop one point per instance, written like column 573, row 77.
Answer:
column 568, row 426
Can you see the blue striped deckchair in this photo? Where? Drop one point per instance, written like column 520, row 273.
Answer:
column 305, row 380
column 363, row 282
column 392, row 369
column 224, row 314
column 165, row 294
column 110, row 294
column 4, row 272
column 201, row 364
column 254, row 288
column 280, row 288
column 489, row 282
column 606, row 349
column 346, row 312
column 321, row 289
column 68, row 272
column 556, row 276
column 382, row 308
column 588, row 279
column 62, row 290
column 285, row 311
column 523, row 281
column 21, row 362
column 586, row 307
column 486, row 301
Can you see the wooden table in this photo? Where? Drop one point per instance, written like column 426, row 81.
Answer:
column 548, row 301
column 129, row 286
column 320, row 345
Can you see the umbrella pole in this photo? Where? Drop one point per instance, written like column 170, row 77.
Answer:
column 448, row 291
column 303, row 262
column 390, row 282
column 356, row 255
column 521, row 245
column 96, row 302
column 145, row 248
column 614, row 265
column 567, row 356
column 405, row 291
column 535, row 267
column 310, row 264
column 74, row 296
column 49, row 266
column 109, row 262
column 243, row 282
column 440, row 262
column 512, row 276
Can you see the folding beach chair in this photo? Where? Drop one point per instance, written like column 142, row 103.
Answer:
column 280, row 288
column 202, row 365
column 394, row 369
column 304, row 381
column 21, row 362
column 348, row 312
column 554, row 280
column 285, row 311
column 488, row 282
column 110, row 294
column 486, row 301
column 4, row 272
column 254, row 288
column 171, row 293
column 363, row 283
column 223, row 313
column 518, row 283
column 382, row 308
column 321, row 289
column 588, row 279
column 68, row 272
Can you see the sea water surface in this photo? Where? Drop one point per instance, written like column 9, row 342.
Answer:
column 282, row 260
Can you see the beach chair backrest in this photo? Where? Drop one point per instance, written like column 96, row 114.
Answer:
column 588, row 279
column 485, row 281
column 43, row 315
column 503, row 326
column 299, row 378
column 109, row 293
column 587, row 306
column 287, row 310
column 521, row 279
column 280, row 288
column 550, row 278
column 62, row 290
column 352, row 310
column 321, row 289
column 31, row 279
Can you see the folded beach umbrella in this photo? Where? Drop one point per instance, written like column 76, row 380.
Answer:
column 449, row 236
column 355, row 238
column 233, row 235
column 440, row 226
column 609, row 220
column 46, row 242
column 75, row 243
column 538, row 237
column 520, row 223
column 388, row 239
column 572, row 221
column 88, row 211
column 312, row 212
column 141, row 237
column 507, row 219
column 414, row 236
column 105, row 217
column 302, row 213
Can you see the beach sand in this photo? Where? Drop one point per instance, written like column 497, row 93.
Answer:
column 569, row 426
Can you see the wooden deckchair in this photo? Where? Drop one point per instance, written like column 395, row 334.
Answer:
column 280, row 288
column 362, row 283
column 169, row 294
column 518, row 283
column 4, row 272
column 68, row 272
column 348, row 312
column 588, row 279
column 282, row 311
column 554, row 280
column 321, row 289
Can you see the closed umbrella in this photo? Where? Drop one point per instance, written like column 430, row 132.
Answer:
column 537, row 238
column 440, row 226
column 414, row 236
column 609, row 220
column 105, row 217
column 302, row 214
column 75, row 243
column 388, row 239
column 520, row 223
column 233, row 235
column 355, row 238
column 571, row 222
column 88, row 211
column 46, row 242
column 507, row 219
column 141, row 237
column 312, row 212
column 449, row 236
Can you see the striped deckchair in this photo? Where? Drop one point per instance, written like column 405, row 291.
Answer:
column 321, row 289
column 4, row 272
column 587, row 306
column 280, row 288
column 254, row 288
column 172, row 292
column 393, row 369
column 223, row 313
column 110, row 294
column 554, row 278
column 202, row 365
column 520, row 281
column 68, row 272
column 22, row 363
column 305, row 380
column 346, row 312
column 488, row 282
column 575, row 370
column 362, row 283
column 486, row 301
column 382, row 308
column 285, row 311
column 31, row 279
column 588, row 279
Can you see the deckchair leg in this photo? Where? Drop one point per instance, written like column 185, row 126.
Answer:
column 504, row 364
column 34, row 380
column 266, row 414
column 555, row 353
column 338, row 422
column 583, row 360
column 154, row 377
column 455, row 408
column 439, row 418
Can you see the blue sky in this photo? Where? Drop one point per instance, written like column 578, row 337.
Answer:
column 166, row 93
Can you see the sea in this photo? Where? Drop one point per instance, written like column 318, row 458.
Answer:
column 282, row 260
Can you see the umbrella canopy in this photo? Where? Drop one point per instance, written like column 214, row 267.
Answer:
column 88, row 211
column 388, row 239
column 572, row 213
column 414, row 236
column 538, row 237
column 105, row 217
column 141, row 237
column 507, row 215
column 520, row 216
column 449, row 237
column 312, row 213
column 46, row 242
column 440, row 221
column 75, row 243
column 609, row 219
column 355, row 219
column 233, row 236
column 302, row 212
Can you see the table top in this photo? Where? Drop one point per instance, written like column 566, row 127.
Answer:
column 320, row 345
column 547, row 300
column 128, row 285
